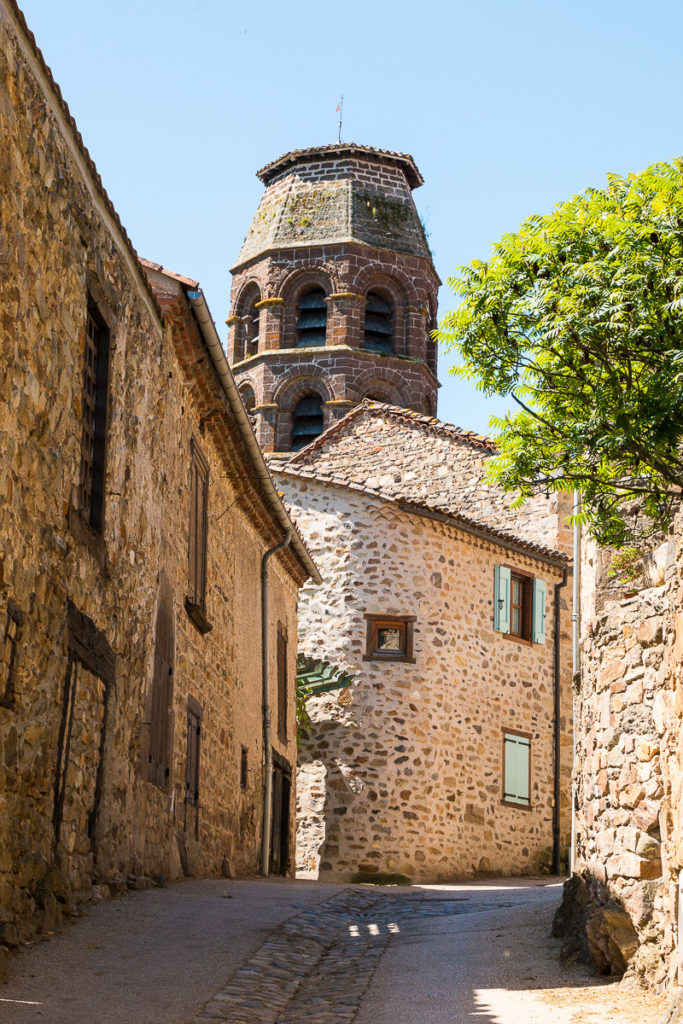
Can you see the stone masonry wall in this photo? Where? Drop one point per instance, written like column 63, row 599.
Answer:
column 60, row 243
column 407, row 777
column 623, row 908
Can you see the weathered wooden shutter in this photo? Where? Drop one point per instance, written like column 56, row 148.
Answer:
column 199, row 495
column 501, row 599
column 281, row 684
column 516, row 769
column 538, row 634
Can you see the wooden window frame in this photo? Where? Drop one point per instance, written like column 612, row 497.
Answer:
column 375, row 622
column 527, row 580
column 513, row 803
column 195, row 717
column 195, row 602
column 282, row 679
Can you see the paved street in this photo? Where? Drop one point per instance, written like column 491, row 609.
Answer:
column 280, row 952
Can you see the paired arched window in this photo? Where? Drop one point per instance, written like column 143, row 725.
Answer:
column 307, row 421
column 311, row 319
column 378, row 324
column 252, row 316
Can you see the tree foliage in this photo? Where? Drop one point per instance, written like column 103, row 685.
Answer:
column 578, row 317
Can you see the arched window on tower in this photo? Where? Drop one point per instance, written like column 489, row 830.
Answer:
column 307, row 421
column 312, row 319
column 378, row 324
column 249, row 401
column 252, row 316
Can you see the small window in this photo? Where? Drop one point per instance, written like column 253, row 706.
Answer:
column 195, row 602
column 519, row 604
column 9, row 642
column 389, row 638
column 95, row 400
column 244, row 768
column 307, row 421
column 281, row 683
column 378, row 326
column 194, row 725
column 311, row 319
column 516, row 768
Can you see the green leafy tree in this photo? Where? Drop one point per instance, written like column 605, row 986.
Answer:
column 578, row 317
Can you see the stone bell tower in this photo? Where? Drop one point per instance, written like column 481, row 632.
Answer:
column 334, row 293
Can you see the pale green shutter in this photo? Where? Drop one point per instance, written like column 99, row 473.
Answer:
column 516, row 768
column 539, row 612
column 501, row 599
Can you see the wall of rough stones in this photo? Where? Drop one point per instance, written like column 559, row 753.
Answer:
column 622, row 907
column 61, row 241
column 407, row 777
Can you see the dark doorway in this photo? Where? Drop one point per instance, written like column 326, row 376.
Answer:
column 279, row 836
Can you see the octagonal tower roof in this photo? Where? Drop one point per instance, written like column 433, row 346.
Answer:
column 335, row 194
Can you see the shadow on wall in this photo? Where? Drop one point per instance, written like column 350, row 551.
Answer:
column 325, row 785
column 594, row 926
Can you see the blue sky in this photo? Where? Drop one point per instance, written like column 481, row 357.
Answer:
column 508, row 106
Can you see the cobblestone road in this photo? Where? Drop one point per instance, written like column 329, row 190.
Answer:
column 318, row 966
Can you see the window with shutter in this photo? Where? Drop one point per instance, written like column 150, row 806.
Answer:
column 281, row 683
column 160, row 738
column 94, row 419
column 311, row 324
column 194, row 725
column 516, row 768
column 519, row 604
column 195, row 602
column 378, row 324
column 307, row 421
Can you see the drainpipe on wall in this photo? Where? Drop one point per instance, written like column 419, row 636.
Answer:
column 576, row 658
column 556, row 727
column 265, row 675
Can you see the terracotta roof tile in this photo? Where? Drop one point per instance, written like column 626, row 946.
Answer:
column 294, row 156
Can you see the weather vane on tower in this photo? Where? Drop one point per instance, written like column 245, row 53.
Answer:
column 340, row 111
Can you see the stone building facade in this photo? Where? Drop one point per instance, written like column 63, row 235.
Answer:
column 333, row 294
column 411, row 772
column 135, row 510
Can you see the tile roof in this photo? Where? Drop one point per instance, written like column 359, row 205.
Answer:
column 425, row 465
column 294, row 156
column 194, row 285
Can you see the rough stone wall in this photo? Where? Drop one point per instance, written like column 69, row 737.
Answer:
column 627, row 770
column 61, row 241
column 407, row 777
